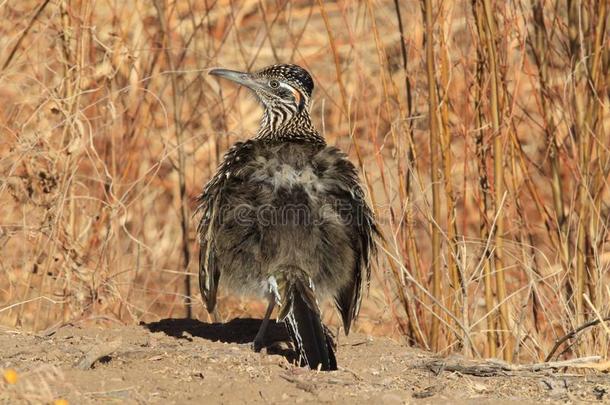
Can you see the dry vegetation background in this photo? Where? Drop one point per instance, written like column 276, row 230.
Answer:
column 481, row 128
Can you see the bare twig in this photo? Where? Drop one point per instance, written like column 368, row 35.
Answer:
column 96, row 353
column 184, row 216
column 24, row 33
column 434, row 168
column 491, row 368
column 572, row 334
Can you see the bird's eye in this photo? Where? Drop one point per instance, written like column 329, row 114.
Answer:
column 274, row 84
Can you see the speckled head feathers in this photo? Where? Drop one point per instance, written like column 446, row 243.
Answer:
column 291, row 74
column 284, row 91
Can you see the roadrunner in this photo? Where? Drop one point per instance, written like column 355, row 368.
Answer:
column 285, row 218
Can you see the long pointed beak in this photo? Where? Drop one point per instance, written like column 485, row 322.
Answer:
column 238, row 77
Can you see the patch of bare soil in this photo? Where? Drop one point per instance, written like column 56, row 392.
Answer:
column 190, row 362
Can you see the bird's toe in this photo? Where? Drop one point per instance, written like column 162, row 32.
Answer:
column 258, row 345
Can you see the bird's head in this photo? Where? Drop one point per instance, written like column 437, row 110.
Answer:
column 284, row 92
column 277, row 86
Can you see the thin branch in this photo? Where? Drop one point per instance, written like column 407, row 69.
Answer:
column 573, row 334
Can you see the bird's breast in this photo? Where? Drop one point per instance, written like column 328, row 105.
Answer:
column 284, row 177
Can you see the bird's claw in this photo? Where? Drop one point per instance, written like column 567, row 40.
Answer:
column 257, row 345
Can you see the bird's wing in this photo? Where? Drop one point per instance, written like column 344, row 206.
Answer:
column 209, row 205
column 356, row 214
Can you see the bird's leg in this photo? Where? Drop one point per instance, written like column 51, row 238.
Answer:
column 215, row 316
column 259, row 340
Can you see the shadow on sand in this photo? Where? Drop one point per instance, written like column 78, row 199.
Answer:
column 238, row 330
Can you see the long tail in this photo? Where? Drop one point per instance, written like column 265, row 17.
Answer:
column 300, row 312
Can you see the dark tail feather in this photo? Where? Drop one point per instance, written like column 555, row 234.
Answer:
column 331, row 346
column 302, row 317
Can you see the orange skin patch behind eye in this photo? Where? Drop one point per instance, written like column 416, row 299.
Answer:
column 297, row 96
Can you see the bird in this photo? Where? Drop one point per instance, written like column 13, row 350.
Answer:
column 285, row 218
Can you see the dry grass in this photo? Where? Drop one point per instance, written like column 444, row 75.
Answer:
column 482, row 132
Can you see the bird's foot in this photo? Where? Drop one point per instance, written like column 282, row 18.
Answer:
column 277, row 347
column 258, row 345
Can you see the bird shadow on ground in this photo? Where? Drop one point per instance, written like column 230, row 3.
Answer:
column 237, row 330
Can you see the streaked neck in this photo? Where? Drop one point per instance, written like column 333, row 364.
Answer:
column 282, row 123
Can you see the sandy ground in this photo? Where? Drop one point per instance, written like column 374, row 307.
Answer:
column 190, row 362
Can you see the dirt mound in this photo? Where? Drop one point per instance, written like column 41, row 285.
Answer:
column 187, row 361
